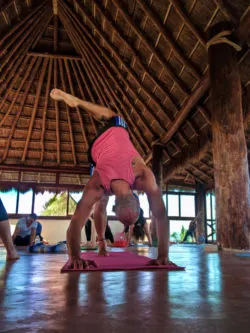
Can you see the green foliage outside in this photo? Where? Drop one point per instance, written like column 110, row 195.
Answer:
column 178, row 237
column 57, row 205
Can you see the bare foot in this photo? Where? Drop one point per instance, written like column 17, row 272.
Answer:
column 12, row 255
column 60, row 95
column 102, row 249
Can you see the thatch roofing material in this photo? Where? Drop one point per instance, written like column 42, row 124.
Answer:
column 145, row 59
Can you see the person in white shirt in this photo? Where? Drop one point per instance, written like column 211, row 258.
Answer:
column 25, row 232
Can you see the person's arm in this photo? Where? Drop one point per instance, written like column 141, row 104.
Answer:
column 32, row 236
column 92, row 193
column 16, row 232
column 147, row 183
column 98, row 111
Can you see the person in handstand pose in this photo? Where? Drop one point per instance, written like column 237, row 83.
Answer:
column 119, row 169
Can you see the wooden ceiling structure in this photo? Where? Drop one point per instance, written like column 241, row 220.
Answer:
column 146, row 59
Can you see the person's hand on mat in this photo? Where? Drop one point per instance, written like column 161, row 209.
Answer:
column 78, row 264
column 161, row 261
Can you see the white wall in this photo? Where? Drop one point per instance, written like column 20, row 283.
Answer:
column 55, row 230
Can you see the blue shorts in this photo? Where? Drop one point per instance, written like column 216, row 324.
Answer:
column 3, row 213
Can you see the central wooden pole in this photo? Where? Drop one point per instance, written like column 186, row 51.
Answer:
column 229, row 147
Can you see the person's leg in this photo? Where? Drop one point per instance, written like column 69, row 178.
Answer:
column 22, row 241
column 6, row 238
column 100, row 218
column 147, row 233
column 88, row 230
column 187, row 235
column 108, row 234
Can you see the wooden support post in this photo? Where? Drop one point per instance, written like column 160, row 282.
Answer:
column 229, row 146
column 200, row 205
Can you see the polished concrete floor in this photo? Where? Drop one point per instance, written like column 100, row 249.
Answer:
column 212, row 295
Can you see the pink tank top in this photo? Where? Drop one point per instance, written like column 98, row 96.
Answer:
column 113, row 153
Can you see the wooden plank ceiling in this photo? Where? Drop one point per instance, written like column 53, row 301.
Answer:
column 145, row 59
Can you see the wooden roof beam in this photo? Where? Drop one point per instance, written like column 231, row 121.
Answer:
column 167, row 36
column 58, row 144
column 72, row 91
column 197, row 33
column 82, row 93
column 32, row 73
column 136, row 57
column 62, row 75
column 33, row 115
column 192, row 100
column 45, row 109
column 132, row 73
column 107, row 82
column 107, row 58
column 226, row 10
column 19, row 167
column 54, row 56
column 23, row 21
column 190, row 154
column 156, row 54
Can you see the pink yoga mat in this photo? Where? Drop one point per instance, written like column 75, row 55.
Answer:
column 119, row 261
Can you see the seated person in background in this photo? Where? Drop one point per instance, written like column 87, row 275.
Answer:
column 25, row 232
column 5, row 234
column 39, row 231
column 138, row 230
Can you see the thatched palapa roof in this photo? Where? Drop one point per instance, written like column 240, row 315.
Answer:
column 146, row 59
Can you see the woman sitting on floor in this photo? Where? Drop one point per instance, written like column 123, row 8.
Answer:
column 25, row 232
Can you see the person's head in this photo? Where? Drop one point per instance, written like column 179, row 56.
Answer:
column 31, row 218
column 127, row 208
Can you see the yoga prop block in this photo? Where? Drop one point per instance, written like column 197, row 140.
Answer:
column 210, row 248
column 242, row 254
column 89, row 248
column 120, row 261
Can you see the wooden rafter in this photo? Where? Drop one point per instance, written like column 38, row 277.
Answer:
column 195, row 177
column 197, row 33
column 226, row 10
column 77, row 109
column 58, row 155
column 107, row 58
column 17, row 49
column 33, row 115
column 55, row 35
column 13, row 82
column 68, row 113
column 22, row 22
column 137, row 58
column 114, row 83
column 82, row 93
column 192, row 100
column 19, row 56
column 200, row 171
column 17, row 92
column 166, row 35
column 131, row 72
column 54, row 56
column 112, row 95
column 31, row 73
column 45, row 109
column 152, row 49
column 196, row 150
